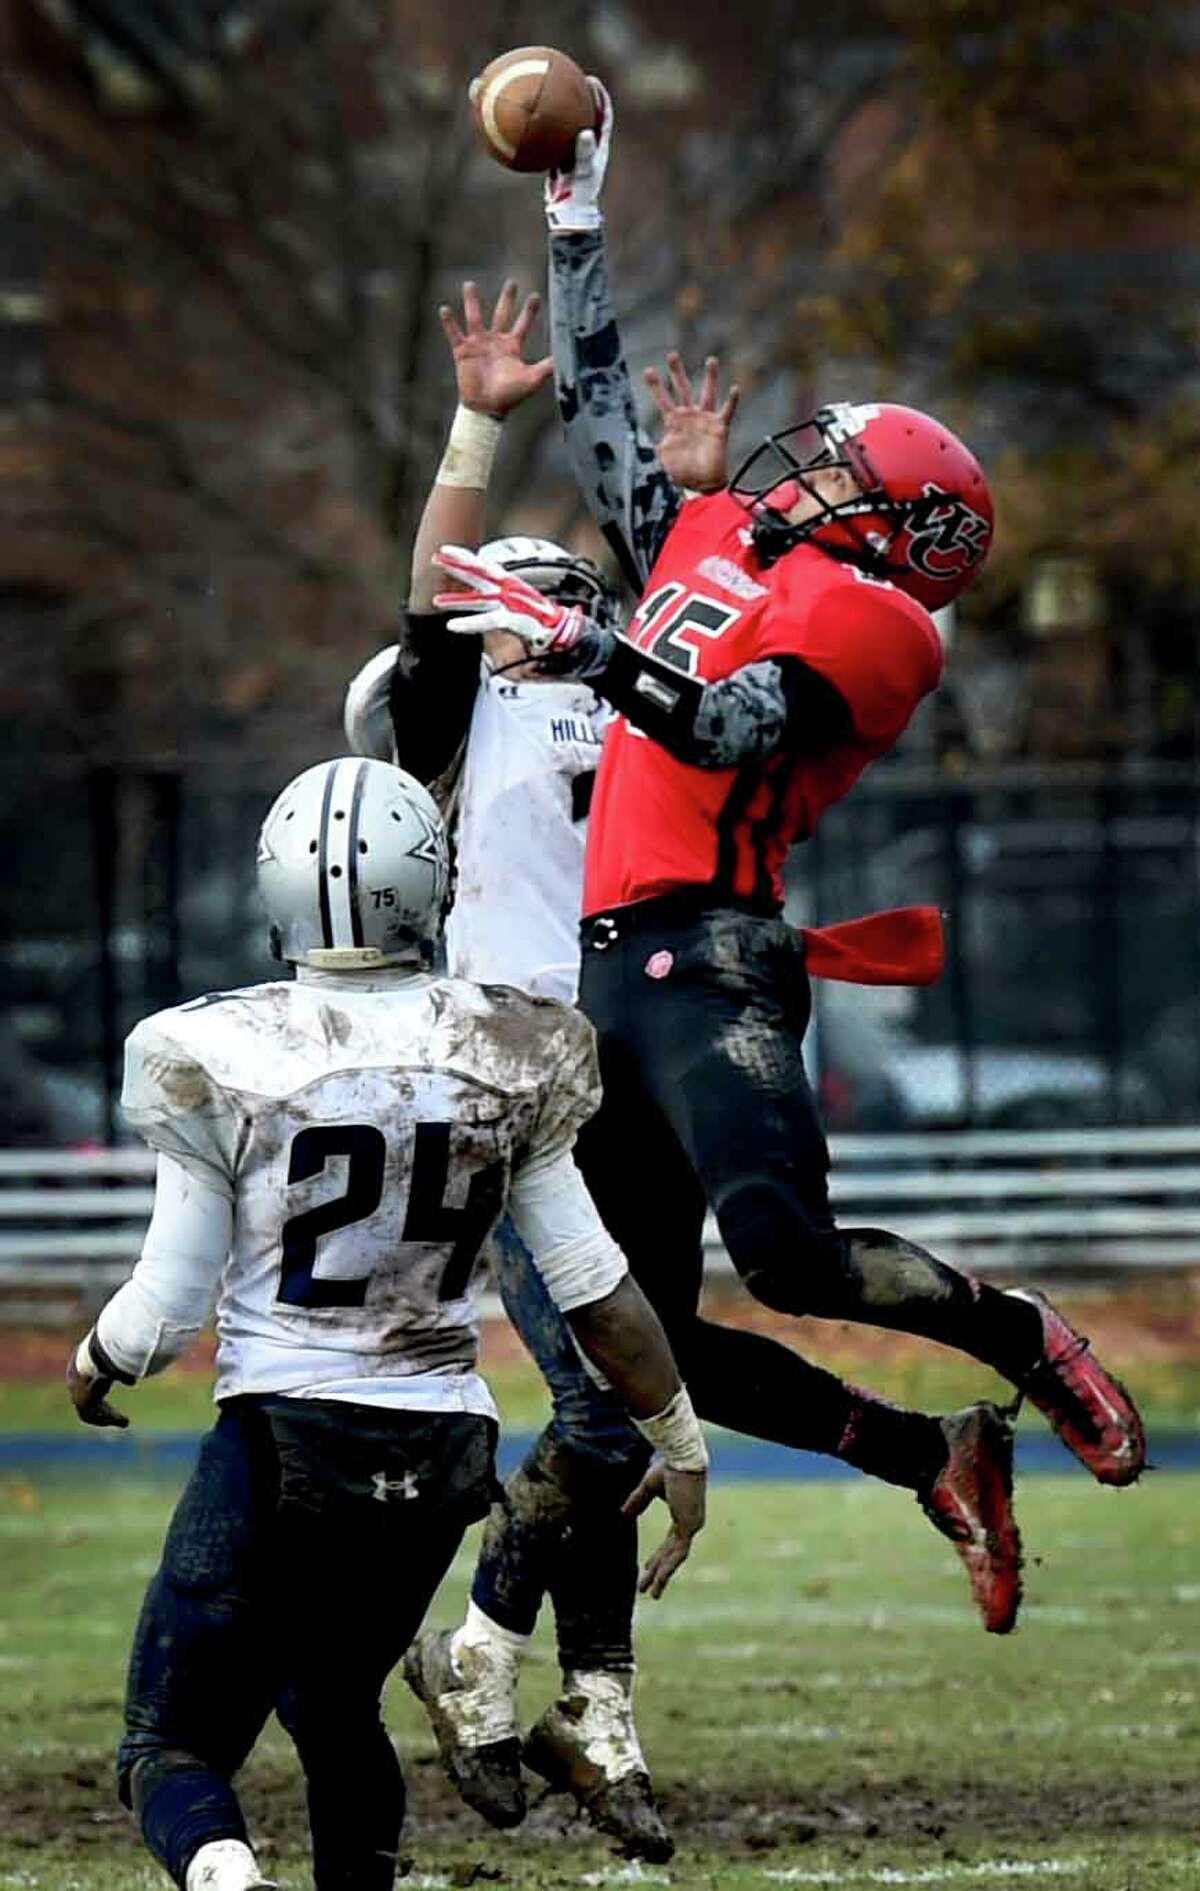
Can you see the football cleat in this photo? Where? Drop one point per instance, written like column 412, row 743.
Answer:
column 225, row 1864
column 586, row 1744
column 970, row 1501
column 1091, row 1411
column 471, row 1700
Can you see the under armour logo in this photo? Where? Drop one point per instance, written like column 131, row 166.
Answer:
column 386, row 1488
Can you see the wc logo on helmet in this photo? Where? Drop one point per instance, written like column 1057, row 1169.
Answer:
column 946, row 537
column 842, row 420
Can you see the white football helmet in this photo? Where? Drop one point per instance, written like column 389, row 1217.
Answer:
column 367, row 712
column 566, row 576
column 353, row 867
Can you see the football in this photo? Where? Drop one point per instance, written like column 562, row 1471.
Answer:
column 529, row 107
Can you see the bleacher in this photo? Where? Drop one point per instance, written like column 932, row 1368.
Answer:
column 1032, row 1201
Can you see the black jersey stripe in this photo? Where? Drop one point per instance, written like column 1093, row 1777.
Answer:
column 766, row 830
column 360, row 782
column 728, row 822
column 323, row 858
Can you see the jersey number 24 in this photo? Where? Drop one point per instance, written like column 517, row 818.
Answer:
column 428, row 1217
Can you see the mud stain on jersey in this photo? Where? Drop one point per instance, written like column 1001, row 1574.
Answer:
column 335, row 1024
column 186, row 1086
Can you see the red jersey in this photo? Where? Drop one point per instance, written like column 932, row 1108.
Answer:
column 710, row 607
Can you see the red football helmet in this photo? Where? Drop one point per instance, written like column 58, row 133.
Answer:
column 923, row 515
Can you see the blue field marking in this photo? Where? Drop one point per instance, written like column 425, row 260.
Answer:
column 735, row 1460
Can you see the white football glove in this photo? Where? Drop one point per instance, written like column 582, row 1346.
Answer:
column 505, row 602
column 573, row 197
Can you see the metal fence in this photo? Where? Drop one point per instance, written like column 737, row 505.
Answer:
column 1018, row 1202
column 1071, row 996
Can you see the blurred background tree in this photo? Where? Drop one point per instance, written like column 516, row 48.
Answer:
column 226, row 228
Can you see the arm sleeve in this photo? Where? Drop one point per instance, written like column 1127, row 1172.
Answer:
column 557, row 1220
column 169, row 1297
column 432, row 692
column 774, row 703
column 616, row 468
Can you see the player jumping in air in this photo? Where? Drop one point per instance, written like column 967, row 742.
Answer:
column 332, row 1154
column 514, row 757
column 782, row 643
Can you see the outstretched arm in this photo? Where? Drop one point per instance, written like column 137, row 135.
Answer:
column 624, row 484
column 743, row 717
column 618, row 1329
column 492, row 378
column 429, row 691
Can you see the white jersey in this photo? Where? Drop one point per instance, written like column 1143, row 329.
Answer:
column 368, row 1133
column 531, row 757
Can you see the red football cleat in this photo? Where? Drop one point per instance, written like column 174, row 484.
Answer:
column 1091, row 1411
column 970, row 1501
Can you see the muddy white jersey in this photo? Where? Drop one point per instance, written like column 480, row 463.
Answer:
column 531, row 758
column 367, row 1137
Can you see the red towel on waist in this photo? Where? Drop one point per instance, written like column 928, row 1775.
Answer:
column 905, row 946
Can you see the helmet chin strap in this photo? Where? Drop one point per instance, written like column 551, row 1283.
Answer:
column 774, row 536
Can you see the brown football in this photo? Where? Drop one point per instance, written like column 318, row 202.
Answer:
column 530, row 105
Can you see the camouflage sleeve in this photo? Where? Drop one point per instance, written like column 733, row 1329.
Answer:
column 631, row 498
column 735, row 720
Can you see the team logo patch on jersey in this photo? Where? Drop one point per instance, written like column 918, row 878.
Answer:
column 731, row 578
column 659, row 964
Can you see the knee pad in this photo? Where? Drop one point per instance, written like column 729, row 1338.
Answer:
column 789, row 1254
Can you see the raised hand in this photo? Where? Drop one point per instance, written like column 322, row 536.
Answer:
column 694, row 448
column 572, row 198
column 489, row 358
column 497, row 599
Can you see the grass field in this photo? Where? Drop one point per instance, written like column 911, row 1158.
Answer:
column 816, row 1700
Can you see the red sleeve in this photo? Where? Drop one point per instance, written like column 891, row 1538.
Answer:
column 880, row 651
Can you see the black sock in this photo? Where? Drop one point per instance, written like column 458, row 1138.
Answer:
column 760, row 1387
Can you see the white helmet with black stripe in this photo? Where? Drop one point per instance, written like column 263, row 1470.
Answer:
column 568, row 577
column 353, row 867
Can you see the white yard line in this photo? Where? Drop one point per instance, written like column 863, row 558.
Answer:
column 948, row 1873
column 626, row 1874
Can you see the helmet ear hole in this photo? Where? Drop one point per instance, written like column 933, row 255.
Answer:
column 275, row 942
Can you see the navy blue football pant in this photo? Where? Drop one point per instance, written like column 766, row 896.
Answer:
column 558, row 1528
column 297, row 1568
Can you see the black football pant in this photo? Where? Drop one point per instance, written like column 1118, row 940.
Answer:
column 297, row 1568
column 700, row 1016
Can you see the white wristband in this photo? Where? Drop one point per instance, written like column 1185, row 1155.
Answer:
column 676, row 1435
column 470, row 450
column 85, row 1365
